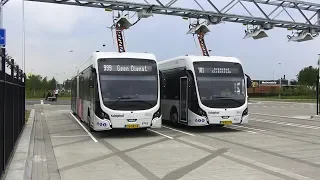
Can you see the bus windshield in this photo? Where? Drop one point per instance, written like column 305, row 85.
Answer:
column 128, row 84
column 220, row 84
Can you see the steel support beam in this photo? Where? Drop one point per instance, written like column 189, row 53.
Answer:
column 204, row 14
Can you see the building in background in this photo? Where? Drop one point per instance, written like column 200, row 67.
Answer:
column 267, row 87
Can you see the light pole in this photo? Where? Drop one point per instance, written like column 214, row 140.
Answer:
column 273, row 75
column 317, row 87
column 280, row 81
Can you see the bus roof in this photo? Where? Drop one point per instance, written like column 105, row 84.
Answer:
column 184, row 61
column 193, row 58
column 98, row 55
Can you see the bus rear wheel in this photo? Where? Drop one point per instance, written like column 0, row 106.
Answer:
column 174, row 117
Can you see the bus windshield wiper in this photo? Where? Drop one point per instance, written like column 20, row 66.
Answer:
column 120, row 98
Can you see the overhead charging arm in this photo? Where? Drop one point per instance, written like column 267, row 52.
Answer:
column 202, row 44
column 120, row 42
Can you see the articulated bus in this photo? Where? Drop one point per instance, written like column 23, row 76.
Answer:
column 202, row 90
column 118, row 90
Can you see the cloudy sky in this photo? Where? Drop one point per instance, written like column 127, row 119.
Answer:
column 52, row 31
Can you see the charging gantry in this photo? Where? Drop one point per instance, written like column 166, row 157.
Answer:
column 121, row 22
column 256, row 25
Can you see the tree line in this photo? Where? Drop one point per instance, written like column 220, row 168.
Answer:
column 37, row 86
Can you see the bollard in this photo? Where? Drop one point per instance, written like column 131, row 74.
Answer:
column 41, row 101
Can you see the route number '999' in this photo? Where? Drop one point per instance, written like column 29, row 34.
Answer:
column 107, row 67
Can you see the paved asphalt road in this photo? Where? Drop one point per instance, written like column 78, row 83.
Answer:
column 269, row 147
column 58, row 102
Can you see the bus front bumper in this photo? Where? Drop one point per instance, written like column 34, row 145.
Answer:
column 156, row 122
column 106, row 124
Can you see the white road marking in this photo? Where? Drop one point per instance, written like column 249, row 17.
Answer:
column 249, row 128
column 64, row 110
column 250, row 161
column 273, row 115
column 85, row 129
column 161, row 134
column 288, row 124
column 268, row 167
column 70, row 136
column 240, row 129
column 286, row 102
column 178, row 130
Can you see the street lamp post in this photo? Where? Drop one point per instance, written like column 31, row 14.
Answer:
column 273, row 75
column 317, row 84
column 280, row 81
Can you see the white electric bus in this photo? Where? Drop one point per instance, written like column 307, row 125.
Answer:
column 202, row 90
column 118, row 90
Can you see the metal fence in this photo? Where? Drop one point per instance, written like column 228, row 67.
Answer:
column 12, row 108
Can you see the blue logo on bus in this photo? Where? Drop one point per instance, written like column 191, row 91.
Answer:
column 200, row 120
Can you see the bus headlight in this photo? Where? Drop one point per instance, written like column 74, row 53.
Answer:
column 104, row 115
column 202, row 112
column 245, row 112
column 157, row 114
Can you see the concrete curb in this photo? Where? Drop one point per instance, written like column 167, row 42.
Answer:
column 317, row 117
column 19, row 162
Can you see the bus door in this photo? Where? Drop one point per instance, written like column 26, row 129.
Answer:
column 183, row 100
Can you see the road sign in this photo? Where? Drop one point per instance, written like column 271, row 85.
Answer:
column 2, row 36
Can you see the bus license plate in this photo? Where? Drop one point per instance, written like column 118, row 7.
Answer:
column 132, row 126
column 225, row 122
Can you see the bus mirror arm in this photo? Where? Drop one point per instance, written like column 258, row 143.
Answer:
column 93, row 70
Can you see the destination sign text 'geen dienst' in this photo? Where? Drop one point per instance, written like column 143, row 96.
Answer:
column 127, row 68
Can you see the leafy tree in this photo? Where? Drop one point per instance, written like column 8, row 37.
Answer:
column 52, row 84
column 308, row 76
column 34, row 83
column 45, row 83
column 67, row 84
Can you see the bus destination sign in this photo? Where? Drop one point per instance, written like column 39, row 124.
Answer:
column 126, row 68
column 218, row 70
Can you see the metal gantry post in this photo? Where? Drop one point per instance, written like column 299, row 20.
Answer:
column 317, row 84
column 2, row 113
column 318, row 78
column 3, row 98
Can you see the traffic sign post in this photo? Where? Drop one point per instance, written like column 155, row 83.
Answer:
column 2, row 37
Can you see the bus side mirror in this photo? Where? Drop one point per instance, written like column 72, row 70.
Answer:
column 91, row 84
column 249, row 82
